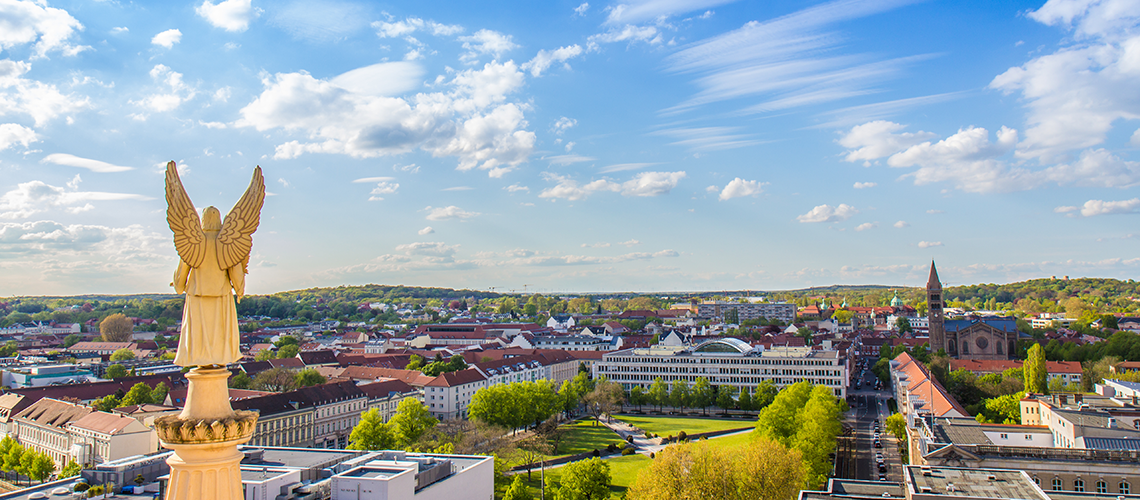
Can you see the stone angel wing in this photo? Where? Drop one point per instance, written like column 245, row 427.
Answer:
column 236, row 238
column 189, row 239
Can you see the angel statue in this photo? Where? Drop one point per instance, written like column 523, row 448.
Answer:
column 214, row 259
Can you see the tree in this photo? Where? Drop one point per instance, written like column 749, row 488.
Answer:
column 40, row 467
column 139, row 394
column 724, row 397
column 904, row 325
column 605, row 398
column 816, row 436
column 411, row 421
column 288, row 351
column 637, row 396
column 72, row 469
column 107, row 403
column 586, row 479
column 744, row 400
column 659, row 393
column 123, row 354
column 765, row 394
column 158, row 395
column 762, row 469
column 115, row 371
column 1035, row 371
column 371, row 433
column 308, row 377
column 518, row 490
column 415, row 362
column 896, row 425
column 278, row 379
column 531, row 450
column 71, row 340
column 116, row 328
column 680, row 395
column 702, row 394
column 496, row 405
column 264, row 355
column 241, row 381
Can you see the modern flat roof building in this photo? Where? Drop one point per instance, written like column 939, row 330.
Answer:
column 725, row 361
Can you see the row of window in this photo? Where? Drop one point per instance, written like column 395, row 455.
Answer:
column 729, row 361
column 1123, row 487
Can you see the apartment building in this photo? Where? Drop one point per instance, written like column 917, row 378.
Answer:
column 68, row 431
column 725, row 361
column 760, row 310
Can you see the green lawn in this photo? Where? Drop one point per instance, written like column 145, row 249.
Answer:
column 667, row 426
column 584, row 436
column 732, row 441
column 623, row 472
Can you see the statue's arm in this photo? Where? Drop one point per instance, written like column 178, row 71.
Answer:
column 237, row 277
column 180, row 277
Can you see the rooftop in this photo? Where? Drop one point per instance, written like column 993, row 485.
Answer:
column 971, row 483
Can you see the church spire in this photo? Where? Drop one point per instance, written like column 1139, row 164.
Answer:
column 933, row 283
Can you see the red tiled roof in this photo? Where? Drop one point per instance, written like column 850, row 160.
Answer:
column 461, row 377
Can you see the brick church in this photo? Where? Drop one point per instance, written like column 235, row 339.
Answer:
column 969, row 338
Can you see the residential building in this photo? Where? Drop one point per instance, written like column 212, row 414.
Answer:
column 69, row 431
column 449, row 394
column 918, row 393
column 1060, row 372
column 726, row 361
column 336, row 410
column 746, row 311
column 385, row 396
column 283, row 420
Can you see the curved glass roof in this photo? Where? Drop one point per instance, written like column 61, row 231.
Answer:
column 724, row 345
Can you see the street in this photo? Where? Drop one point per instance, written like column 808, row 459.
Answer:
column 870, row 406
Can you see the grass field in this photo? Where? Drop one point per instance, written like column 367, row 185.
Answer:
column 584, row 436
column 623, row 472
column 667, row 426
column 732, row 441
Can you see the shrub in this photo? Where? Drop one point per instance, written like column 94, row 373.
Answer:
column 81, row 487
column 681, row 435
column 652, row 455
column 597, row 453
column 611, row 448
column 629, row 439
column 628, row 451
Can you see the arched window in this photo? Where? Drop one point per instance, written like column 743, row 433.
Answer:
column 997, row 345
column 1101, row 486
column 965, row 347
column 1057, row 484
column 1079, row 485
column 1125, row 487
column 1036, row 481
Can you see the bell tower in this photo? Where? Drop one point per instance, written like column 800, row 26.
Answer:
column 934, row 312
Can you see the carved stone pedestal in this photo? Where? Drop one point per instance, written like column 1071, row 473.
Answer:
column 205, row 437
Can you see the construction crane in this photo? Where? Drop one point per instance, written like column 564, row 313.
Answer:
column 524, row 287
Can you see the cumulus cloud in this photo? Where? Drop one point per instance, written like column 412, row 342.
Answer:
column 449, row 213
column 866, row 225
column 37, row 196
column 596, row 245
column 51, row 29
column 828, row 213
column 426, row 230
column 630, row 243
column 901, row 224
column 230, row 15
column 485, row 42
column 876, row 139
column 928, row 244
column 396, row 29
column 865, row 185
column 471, row 121
column 738, row 187
column 514, row 188
column 382, row 188
column 544, row 59
column 1101, row 207
column 167, row 38
column 49, row 248
column 42, row 102
column 643, row 184
column 12, row 133
column 175, row 91
column 563, row 124
column 429, row 248
column 89, row 164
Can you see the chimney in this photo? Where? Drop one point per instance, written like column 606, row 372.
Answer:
column 1111, row 423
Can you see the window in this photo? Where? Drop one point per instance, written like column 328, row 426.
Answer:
column 1125, row 488
column 1057, row 484
column 1005, row 436
column 1036, row 480
column 1101, row 486
column 1079, row 485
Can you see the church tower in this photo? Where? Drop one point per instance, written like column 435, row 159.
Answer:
column 934, row 311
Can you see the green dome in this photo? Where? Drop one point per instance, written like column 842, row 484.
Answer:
column 896, row 301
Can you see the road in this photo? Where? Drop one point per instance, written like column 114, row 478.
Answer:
column 870, row 405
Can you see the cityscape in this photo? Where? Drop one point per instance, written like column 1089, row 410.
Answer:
column 635, row 249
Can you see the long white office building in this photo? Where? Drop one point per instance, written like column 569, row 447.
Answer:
column 726, row 361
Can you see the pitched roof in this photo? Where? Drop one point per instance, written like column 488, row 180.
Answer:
column 105, row 423
column 101, row 346
column 291, row 363
column 457, row 378
column 54, row 413
column 322, row 357
column 382, row 389
column 932, row 282
column 411, row 377
column 922, row 385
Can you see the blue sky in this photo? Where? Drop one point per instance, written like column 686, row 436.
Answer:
column 570, row 146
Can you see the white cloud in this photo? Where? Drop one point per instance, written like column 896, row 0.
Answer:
column 381, row 189
column 119, row 29
column 630, row 243
column 563, row 124
column 739, row 187
column 42, row 102
column 1100, row 207
column 828, row 213
column 370, row 180
column 1135, row 140
column 544, row 59
column 212, row 125
column 873, row 140
column 968, row 159
column 167, row 38
column 484, row 42
column 37, row 196
column 643, row 184
column 449, row 213
column 866, row 225
column 411, row 25
column 622, row 167
column 928, row 244
column 635, row 11
column 12, row 133
column 596, row 245
column 1076, row 93
column 89, row 164
column 23, row 22
column 177, row 91
column 627, row 33
column 458, row 188
column 425, row 231
column 865, row 185
column 935, row 211
column 514, row 188
column 563, row 160
column 581, row 9
column 471, row 121
column 428, row 248
column 230, row 15
column 901, row 224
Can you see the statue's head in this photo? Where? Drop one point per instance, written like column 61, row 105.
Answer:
column 211, row 219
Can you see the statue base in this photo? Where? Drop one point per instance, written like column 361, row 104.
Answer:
column 206, row 463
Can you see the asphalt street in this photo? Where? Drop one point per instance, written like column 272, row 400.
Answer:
column 869, row 406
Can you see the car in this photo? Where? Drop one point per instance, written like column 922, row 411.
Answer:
column 39, row 495
column 878, row 444
column 878, row 456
